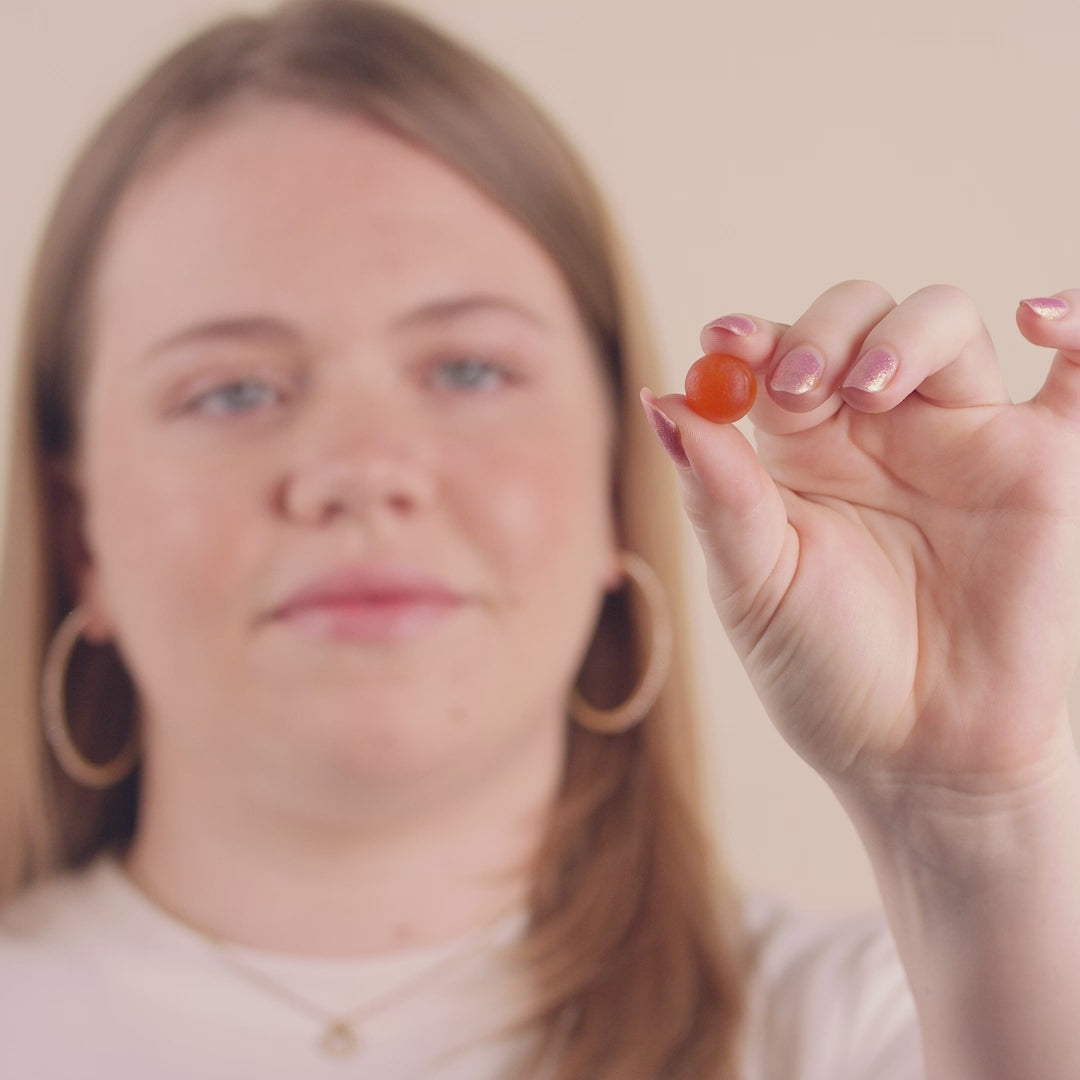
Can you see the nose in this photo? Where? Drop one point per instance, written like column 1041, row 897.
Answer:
column 366, row 467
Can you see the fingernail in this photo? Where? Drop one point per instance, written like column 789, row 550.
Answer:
column 1047, row 307
column 798, row 372
column 737, row 324
column 667, row 432
column 873, row 371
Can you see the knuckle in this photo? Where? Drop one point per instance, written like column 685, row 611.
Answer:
column 952, row 297
column 870, row 292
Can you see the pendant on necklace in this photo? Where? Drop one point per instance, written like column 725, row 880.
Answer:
column 340, row 1040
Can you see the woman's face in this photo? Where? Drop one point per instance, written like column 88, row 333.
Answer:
column 315, row 351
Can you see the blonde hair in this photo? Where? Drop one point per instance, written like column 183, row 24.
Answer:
column 633, row 944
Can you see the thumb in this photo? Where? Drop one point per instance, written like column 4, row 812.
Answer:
column 734, row 506
column 1054, row 322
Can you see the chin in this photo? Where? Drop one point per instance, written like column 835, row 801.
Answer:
column 378, row 745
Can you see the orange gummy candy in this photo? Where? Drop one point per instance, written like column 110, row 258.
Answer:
column 720, row 388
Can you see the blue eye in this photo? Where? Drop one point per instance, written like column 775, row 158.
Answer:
column 241, row 396
column 469, row 374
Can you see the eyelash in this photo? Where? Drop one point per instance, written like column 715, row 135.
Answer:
column 486, row 368
column 481, row 371
column 199, row 403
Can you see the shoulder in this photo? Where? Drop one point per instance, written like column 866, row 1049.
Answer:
column 50, row 925
column 43, row 974
column 828, row 997
column 34, row 918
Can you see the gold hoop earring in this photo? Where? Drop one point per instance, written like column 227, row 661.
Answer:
column 643, row 697
column 70, row 759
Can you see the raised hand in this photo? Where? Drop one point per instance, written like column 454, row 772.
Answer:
column 898, row 564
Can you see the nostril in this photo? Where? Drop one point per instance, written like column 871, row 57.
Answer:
column 358, row 486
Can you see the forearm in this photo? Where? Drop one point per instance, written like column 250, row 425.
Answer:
column 983, row 896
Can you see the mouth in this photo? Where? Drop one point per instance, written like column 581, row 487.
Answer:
column 369, row 607
column 385, row 619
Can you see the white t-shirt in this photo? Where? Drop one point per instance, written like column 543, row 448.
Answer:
column 97, row 983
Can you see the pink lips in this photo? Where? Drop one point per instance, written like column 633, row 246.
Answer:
column 369, row 604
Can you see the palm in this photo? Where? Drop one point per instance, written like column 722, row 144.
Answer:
column 931, row 601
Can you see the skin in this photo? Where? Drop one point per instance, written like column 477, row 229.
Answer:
column 303, row 793
column 898, row 570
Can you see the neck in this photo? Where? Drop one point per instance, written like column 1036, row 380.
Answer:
column 276, row 878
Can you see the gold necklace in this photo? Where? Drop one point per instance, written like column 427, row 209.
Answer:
column 339, row 1037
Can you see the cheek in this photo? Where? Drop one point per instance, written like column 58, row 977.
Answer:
column 541, row 512
column 545, row 523
column 167, row 536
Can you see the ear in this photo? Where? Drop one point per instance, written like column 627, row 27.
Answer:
column 66, row 510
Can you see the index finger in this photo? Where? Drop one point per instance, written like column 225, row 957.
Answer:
column 754, row 340
column 750, row 339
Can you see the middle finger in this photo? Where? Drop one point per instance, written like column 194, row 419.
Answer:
column 816, row 351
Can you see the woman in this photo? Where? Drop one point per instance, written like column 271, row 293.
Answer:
column 328, row 431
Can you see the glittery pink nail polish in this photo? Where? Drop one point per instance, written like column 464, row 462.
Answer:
column 798, row 372
column 873, row 371
column 1047, row 307
column 735, row 324
column 665, row 429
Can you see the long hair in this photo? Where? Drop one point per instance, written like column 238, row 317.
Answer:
column 633, row 944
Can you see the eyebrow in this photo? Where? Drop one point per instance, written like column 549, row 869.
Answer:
column 237, row 328
column 265, row 328
column 444, row 310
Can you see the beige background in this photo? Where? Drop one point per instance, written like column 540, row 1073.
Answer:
column 755, row 152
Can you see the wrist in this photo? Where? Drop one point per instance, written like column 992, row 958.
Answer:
column 981, row 885
column 956, row 834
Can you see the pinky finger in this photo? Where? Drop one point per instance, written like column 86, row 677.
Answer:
column 1054, row 323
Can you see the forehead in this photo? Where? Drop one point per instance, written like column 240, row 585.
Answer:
column 294, row 206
